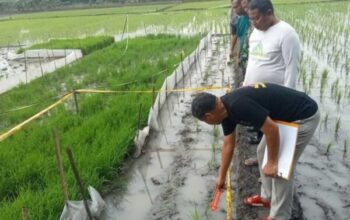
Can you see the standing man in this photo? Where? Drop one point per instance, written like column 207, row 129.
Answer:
column 258, row 105
column 274, row 47
column 274, row 50
column 239, row 31
column 233, row 28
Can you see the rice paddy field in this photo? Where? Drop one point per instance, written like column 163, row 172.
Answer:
column 27, row 159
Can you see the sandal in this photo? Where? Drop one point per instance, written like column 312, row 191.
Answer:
column 252, row 161
column 256, row 201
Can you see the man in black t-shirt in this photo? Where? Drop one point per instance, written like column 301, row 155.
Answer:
column 258, row 105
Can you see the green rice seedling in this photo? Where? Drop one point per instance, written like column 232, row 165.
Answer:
column 68, row 24
column 195, row 214
column 324, row 77
column 328, row 148
column 334, row 88
column 216, row 134
column 101, row 135
column 337, row 126
column 345, row 146
column 339, row 96
column 326, row 119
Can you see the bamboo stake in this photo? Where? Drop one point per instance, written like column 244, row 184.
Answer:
column 80, row 184
column 189, row 72
column 159, row 159
column 60, row 165
column 124, row 28
column 65, row 57
column 139, row 121
column 25, row 215
column 147, row 190
column 183, row 76
column 41, row 66
column 76, row 101
column 167, row 103
column 26, row 66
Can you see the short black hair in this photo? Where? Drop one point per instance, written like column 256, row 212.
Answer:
column 203, row 103
column 263, row 6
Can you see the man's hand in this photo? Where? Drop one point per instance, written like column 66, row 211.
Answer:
column 270, row 169
column 220, row 181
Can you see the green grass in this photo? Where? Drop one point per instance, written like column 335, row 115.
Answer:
column 87, row 45
column 100, row 135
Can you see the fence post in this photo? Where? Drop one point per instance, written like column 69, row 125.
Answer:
column 76, row 101
column 25, row 213
column 41, row 66
column 183, row 76
column 60, row 165
column 80, row 184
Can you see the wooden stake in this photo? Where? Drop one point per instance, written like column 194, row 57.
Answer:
column 139, row 121
column 60, row 165
column 65, row 57
column 26, row 66
column 126, row 20
column 153, row 96
column 147, row 190
column 167, row 103
column 41, row 66
column 25, row 215
column 183, row 76
column 76, row 101
column 80, row 184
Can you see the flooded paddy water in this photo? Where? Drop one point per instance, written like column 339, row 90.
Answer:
column 175, row 176
column 16, row 69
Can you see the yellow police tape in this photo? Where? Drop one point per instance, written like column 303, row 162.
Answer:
column 65, row 97
column 228, row 195
column 19, row 126
column 151, row 91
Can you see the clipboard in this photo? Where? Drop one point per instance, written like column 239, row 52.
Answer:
column 288, row 139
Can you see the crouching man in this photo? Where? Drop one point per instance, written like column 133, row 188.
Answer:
column 259, row 105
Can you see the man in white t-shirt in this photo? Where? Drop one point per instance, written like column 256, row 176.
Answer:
column 274, row 48
column 274, row 51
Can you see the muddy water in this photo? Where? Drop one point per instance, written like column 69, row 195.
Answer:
column 323, row 179
column 14, row 72
column 175, row 178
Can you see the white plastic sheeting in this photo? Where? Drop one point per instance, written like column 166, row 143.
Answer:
column 172, row 81
column 75, row 210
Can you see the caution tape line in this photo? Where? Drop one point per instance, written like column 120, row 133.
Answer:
column 19, row 126
column 27, row 106
column 122, row 91
column 65, row 97
column 154, row 91
column 228, row 195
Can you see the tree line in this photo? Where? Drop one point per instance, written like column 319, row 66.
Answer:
column 13, row 6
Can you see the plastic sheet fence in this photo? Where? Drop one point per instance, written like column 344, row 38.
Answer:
column 177, row 77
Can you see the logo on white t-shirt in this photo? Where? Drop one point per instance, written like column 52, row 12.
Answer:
column 257, row 50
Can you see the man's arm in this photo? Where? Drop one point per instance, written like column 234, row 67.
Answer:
column 291, row 54
column 226, row 157
column 270, row 129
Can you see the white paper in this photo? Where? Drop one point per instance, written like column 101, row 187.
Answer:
column 288, row 137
